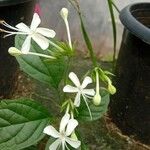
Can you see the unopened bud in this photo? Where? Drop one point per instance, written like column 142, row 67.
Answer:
column 111, row 89
column 64, row 13
column 14, row 51
column 97, row 99
column 74, row 136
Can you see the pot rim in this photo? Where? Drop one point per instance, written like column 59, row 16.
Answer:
column 132, row 24
column 12, row 2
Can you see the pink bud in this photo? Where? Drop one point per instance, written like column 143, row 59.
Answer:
column 37, row 9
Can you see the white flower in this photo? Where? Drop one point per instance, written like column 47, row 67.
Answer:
column 34, row 32
column 79, row 89
column 67, row 127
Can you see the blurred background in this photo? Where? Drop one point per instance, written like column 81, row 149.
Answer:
column 96, row 17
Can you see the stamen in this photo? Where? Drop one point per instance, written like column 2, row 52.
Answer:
column 87, row 107
column 8, row 26
column 13, row 33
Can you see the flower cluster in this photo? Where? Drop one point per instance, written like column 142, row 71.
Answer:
column 66, row 136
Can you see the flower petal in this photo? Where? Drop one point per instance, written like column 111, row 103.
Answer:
column 74, row 79
column 35, row 22
column 77, row 100
column 50, row 130
column 64, row 122
column 90, row 92
column 74, row 143
column 55, row 145
column 41, row 41
column 26, row 45
column 46, row 32
column 70, row 89
column 72, row 124
column 87, row 80
column 23, row 27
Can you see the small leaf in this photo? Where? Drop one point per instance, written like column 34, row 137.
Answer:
column 21, row 123
column 97, row 111
column 48, row 72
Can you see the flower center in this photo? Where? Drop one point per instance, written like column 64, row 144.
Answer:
column 62, row 136
column 32, row 32
column 80, row 88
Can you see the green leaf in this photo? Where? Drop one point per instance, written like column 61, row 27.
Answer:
column 87, row 41
column 21, row 123
column 48, row 72
column 97, row 111
column 31, row 148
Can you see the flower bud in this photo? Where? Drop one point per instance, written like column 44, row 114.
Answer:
column 74, row 136
column 14, row 51
column 111, row 89
column 97, row 99
column 64, row 13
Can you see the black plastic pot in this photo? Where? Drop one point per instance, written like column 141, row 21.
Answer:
column 13, row 12
column 130, row 107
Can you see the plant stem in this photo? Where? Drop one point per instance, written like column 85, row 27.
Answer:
column 111, row 4
column 84, row 32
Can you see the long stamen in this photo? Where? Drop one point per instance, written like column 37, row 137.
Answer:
column 88, row 107
column 11, row 33
column 66, row 146
column 8, row 26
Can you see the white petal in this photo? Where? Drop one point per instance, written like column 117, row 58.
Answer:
column 70, row 89
column 64, row 122
column 41, row 41
column 90, row 92
column 77, row 100
column 50, row 130
column 87, row 80
column 55, row 145
column 22, row 27
column 46, row 32
column 72, row 124
column 74, row 79
column 74, row 143
column 35, row 22
column 26, row 45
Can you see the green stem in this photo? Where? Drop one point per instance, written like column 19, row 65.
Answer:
column 56, row 46
column 88, row 42
column 110, row 4
column 115, row 6
column 97, row 82
column 84, row 32
column 66, row 74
